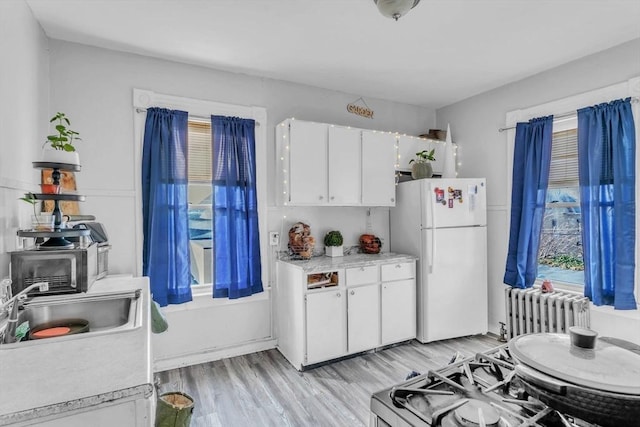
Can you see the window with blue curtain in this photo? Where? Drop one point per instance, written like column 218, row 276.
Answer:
column 165, row 258
column 237, row 268
column 606, row 153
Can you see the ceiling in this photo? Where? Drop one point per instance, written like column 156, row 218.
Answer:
column 441, row 52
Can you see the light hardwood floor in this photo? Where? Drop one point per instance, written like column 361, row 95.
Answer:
column 263, row 389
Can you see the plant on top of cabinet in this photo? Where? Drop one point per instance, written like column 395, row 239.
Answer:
column 333, row 244
column 422, row 166
column 60, row 147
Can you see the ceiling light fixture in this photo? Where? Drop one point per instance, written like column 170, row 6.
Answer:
column 395, row 8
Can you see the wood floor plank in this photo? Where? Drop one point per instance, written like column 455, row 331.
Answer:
column 263, row 389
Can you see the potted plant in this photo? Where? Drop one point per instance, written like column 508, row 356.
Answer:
column 421, row 167
column 39, row 221
column 61, row 148
column 333, row 244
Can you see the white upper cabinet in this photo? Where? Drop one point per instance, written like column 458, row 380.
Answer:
column 307, row 149
column 344, row 166
column 329, row 165
column 378, row 168
column 408, row 146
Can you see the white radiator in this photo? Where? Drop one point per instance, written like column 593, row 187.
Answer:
column 531, row 311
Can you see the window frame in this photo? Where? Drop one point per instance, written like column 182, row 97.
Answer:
column 198, row 108
column 629, row 88
column 562, row 125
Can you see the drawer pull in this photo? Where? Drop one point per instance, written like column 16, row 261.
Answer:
column 353, row 292
column 398, row 266
column 338, row 295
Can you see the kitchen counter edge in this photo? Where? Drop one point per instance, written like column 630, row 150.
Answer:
column 322, row 263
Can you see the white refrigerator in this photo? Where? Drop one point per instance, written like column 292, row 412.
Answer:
column 444, row 223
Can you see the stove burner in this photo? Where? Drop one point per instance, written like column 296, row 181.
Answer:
column 477, row 413
column 472, row 392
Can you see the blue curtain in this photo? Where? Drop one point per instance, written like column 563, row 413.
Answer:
column 165, row 257
column 237, row 269
column 606, row 155
column 531, row 161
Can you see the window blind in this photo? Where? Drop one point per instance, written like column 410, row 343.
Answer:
column 199, row 151
column 564, row 159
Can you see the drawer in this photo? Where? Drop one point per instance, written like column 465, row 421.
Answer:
column 398, row 271
column 362, row 275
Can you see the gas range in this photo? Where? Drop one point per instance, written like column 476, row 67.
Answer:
column 476, row 391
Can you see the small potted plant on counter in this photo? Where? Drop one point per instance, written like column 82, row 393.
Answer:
column 422, row 166
column 333, row 244
column 61, row 148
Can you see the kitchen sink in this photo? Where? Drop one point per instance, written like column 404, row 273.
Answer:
column 105, row 313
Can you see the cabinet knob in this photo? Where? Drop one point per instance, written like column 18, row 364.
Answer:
column 398, row 266
column 321, row 197
column 353, row 292
column 393, row 200
column 332, row 197
column 338, row 295
column 361, row 268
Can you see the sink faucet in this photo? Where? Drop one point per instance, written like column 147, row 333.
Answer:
column 13, row 303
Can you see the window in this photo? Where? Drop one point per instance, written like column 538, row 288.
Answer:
column 560, row 256
column 200, row 199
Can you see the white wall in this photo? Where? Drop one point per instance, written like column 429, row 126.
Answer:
column 482, row 151
column 24, row 117
column 94, row 87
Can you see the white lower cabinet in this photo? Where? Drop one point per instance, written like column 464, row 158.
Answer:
column 326, row 319
column 330, row 313
column 398, row 319
column 363, row 321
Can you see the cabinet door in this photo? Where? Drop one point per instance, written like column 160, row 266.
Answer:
column 344, row 166
column 363, row 317
column 398, row 310
column 308, row 163
column 326, row 325
column 378, row 169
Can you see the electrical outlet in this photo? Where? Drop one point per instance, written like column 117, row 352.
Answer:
column 274, row 238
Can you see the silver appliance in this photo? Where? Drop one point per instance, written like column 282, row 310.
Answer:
column 66, row 270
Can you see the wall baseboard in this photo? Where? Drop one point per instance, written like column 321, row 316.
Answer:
column 213, row 355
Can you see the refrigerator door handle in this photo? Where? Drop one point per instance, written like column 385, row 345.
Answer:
column 432, row 207
column 428, row 268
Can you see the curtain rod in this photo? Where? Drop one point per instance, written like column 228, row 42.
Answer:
column 564, row 115
column 144, row 110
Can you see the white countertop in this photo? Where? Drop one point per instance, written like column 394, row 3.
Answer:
column 323, row 263
column 61, row 375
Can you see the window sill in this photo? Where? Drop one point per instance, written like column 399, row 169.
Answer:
column 202, row 300
column 604, row 309
column 610, row 311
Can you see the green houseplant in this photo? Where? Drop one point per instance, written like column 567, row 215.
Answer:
column 39, row 221
column 58, row 147
column 421, row 167
column 333, row 244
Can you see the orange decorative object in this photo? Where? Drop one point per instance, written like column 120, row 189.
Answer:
column 52, row 332
column 370, row 244
column 50, row 188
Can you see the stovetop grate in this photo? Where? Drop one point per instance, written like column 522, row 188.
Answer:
column 479, row 390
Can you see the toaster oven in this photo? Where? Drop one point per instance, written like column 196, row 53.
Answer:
column 66, row 270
